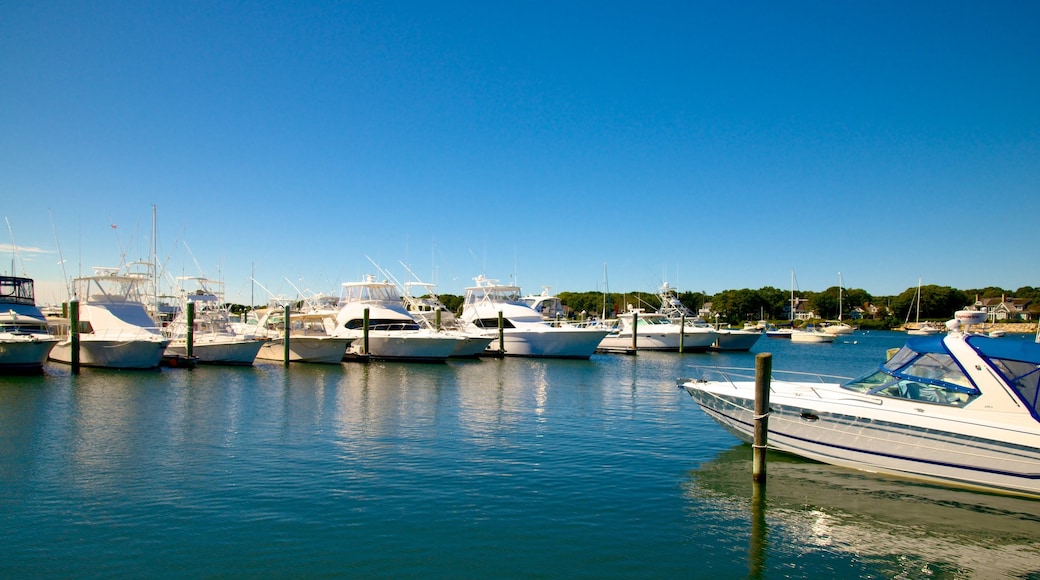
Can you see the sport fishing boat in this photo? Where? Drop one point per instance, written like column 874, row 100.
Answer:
column 213, row 340
column 115, row 329
column 25, row 341
column 428, row 310
column 524, row 331
column 960, row 410
column 313, row 336
column 654, row 331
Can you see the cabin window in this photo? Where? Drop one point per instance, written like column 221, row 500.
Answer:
column 492, row 323
column 1024, row 378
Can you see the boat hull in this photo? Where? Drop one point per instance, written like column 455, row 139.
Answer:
column 549, row 342
column 24, row 354
column 736, row 340
column 406, row 346
column 862, row 432
column 660, row 341
column 306, row 349
column 811, row 337
column 141, row 353
column 233, row 351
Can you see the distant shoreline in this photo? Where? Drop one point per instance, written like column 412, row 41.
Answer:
column 1009, row 327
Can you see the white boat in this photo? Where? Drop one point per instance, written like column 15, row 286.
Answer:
column 653, row 331
column 733, row 339
column 811, row 334
column 546, row 304
column 313, row 337
column 839, row 327
column 115, row 330
column 524, row 331
column 213, row 340
column 960, row 410
column 698, row 332
column 393, row 334
column 920, row 328
column 430, row 312
column 25, row 341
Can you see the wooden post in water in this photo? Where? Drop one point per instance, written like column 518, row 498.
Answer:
column 437, row 320
column 682, row 330
column 74, row 334
column 763, row 371
column 501, row 333
column 191, row 329
column 285, row 346
column 635, row 330
column 364, row 330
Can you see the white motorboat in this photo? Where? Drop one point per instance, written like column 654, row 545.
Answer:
column 115, row 330
column 313, row 336
column 393, row 334
column 919, row 328
column 733, row 339
column 523, row 331
column 429, row 311
column 960, row 410
column 839, row 327
column 811, row 334
column 25, row 341
column 697, row 331
column 653, row 331
column 213, row 340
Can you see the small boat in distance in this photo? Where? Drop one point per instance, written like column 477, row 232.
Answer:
column 920, row 328
column 25, row 340
column 961, row 410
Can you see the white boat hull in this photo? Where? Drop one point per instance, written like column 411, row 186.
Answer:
column 736, row 340
column 832, row 425
column 219, row 350
column 113, row 353
column 549, row 342
column 692, row 341
column 306, row 349
column 811, row 337
column 24, row 353
column 415, row 346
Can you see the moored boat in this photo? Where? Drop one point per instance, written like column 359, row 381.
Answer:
column 25, row 341
column 960, row 410
column 213, row 341
column 313, row 337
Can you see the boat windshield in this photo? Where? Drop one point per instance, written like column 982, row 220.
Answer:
column 1018, row 363
column 931, row 377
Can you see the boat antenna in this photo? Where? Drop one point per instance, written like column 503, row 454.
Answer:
column 61, row 260
column 14, row 250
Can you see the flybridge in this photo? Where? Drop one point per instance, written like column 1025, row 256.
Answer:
column 17, row 290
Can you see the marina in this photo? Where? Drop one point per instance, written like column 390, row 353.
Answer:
column 505, row 467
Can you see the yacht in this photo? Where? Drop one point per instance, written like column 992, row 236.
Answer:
column 213, row 340
column 393, row 333
column 811, row 334
column 697, row 330
column 115, row 329
column 654, row 331
column 422, row 303
column 25, row 341
column 313, row 335
column 961, row 410
column 490, row 308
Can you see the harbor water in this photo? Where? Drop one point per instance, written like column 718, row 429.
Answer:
column 471, row 469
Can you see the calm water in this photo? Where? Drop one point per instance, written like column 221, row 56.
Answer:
column 492, row 468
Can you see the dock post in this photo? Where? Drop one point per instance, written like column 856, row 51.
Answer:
column 191, row 329
column 635, row 330
column 365, row 322
column 74, row 334
column 285, row 346
column 501, row 333
column 437, row 320
column 682, row 331
column 763, row 371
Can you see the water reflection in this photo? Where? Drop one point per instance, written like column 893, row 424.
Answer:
column 902, row 528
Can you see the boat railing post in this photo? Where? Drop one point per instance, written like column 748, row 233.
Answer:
column 74, row 334
column 763, row 370
column 364, row 330
column 682, row 330
column 285, row 346
column 190, row 347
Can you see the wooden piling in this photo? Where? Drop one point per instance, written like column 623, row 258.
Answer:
column 190, row 348
column 635, row 330
column 763, row 371
column 501, row 333
column 682, row 331
column 74, row 334
column 288, row 329
column 365, row 321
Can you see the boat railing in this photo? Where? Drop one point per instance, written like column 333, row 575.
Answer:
column 733, row 375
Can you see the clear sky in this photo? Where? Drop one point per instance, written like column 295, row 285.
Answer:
column 711, row 145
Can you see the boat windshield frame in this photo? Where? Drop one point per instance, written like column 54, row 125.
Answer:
column 923, row 370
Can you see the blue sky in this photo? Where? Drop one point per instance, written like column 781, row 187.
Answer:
column 712, row 145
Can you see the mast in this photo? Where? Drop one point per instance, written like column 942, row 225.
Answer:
column 839, row 296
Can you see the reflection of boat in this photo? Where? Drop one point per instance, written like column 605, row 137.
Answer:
column 213, row 341
column 393, row 334
column 115, row 330
column 524, row 331
column 962, row 410
column 25, row 341
column 901, row 528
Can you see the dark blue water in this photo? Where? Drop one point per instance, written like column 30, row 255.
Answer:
column 503, row 468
